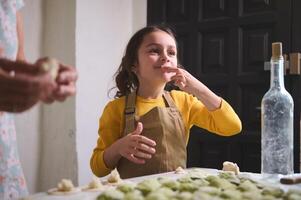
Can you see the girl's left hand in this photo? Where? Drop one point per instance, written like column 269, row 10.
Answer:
column 188, row 83
column 183, row 79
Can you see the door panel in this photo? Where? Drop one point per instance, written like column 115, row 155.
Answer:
column 224, row 44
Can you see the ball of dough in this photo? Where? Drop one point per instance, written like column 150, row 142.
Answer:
column 65, row 185
column 230, row 166
column 180, row 170
column 95, row 183
column 50, row 65
column 114, row 177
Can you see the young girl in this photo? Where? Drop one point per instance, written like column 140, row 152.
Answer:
column 145, row 129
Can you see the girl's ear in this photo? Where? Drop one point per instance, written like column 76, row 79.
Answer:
column 134, row 69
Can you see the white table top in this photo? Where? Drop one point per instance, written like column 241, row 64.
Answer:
column 92, row 195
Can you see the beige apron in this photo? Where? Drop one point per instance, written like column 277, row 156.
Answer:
column 163, row 125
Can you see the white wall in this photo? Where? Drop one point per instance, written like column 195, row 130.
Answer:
column 91, row 36
column 139, row 9
column 58, row 146
column 28, row 123
column 102, row 31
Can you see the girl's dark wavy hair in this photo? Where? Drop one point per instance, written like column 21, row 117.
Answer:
column 126, row 80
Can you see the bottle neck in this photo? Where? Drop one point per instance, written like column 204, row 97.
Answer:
column 277, row 79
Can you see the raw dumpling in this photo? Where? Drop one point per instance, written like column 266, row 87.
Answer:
column 126, row 187
column 180, row 170
column 95, row 183
column 114, row 177
column 94, row 186
column 230, row 166
column 111, row 194
column 148, row 186
column 65, row 185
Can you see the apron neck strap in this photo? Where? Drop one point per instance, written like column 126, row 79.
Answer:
column 129, row 112
column 130, row 109
column 168, row 99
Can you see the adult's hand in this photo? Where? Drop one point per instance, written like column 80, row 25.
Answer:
column 66, row 83
column 22, row 85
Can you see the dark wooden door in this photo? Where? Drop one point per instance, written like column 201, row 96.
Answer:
column 295, row 80
column 224, row 43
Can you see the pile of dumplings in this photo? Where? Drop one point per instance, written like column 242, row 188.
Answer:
column 195, row 185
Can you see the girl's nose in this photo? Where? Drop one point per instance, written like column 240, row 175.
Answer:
column 164, row 58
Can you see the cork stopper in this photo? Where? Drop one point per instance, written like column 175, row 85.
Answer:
column 276, row 50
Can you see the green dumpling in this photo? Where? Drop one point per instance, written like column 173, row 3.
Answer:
column 156, row 196
column 230, row 176
column 247, row 186
column 185, row 179
column 182, row 196
column 148, row 186
column 273, row 191
column 213, row 191
column 200, row 182
column 231, row 194
column 269, row 197
column 134, row 195
column 169, row 183
column 251, row 195
column 293, row 197
column 197, row 173
column 294, row 191
column 165, row 191
column 126, row 187
column 111, row 194
column 226, row 175
column 204, row 196
column 215, row 181
column 188, row 187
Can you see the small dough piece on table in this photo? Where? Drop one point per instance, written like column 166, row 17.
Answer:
column 180, row 170
column 230, row 166
column 65, row 187
column 114, row 177
column 50, row 65
column 94, row 186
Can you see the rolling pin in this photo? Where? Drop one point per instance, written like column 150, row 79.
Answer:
column 291, row 179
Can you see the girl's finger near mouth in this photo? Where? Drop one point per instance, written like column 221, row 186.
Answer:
column 169, row 69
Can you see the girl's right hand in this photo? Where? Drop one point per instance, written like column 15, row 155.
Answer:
column 136, row 147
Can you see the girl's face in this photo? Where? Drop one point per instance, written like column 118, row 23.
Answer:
column 158, row 49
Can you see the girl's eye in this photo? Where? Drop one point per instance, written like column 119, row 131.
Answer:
column 154, row 51
column 172, row 53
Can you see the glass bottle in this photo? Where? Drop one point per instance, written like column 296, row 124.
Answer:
column 277, row 121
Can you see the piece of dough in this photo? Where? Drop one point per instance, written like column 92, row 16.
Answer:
column 114, row 177
column 50, row 65
column 230, row 166
column 180, row 170
column 64, row 187
column 94, row 186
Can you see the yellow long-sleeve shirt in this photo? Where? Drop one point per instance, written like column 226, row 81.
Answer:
column 222, row 121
